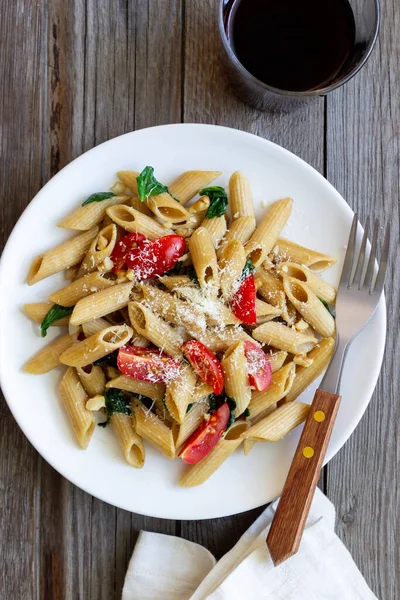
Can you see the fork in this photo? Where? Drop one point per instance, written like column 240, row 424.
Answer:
column 360, row 288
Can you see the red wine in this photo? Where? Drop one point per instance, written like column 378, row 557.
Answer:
column 294, row 45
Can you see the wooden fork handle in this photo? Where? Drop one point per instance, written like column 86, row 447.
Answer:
column 291, row 514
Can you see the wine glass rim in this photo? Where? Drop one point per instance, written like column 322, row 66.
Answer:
column 307, row 93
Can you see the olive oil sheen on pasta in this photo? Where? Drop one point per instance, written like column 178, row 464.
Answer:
column 293, row 45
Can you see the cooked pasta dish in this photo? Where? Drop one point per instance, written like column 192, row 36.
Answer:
column 191, row 330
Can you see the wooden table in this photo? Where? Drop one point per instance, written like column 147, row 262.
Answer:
column 75, row 73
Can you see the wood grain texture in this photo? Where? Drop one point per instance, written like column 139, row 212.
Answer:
column 363, row 151
column 288, row 524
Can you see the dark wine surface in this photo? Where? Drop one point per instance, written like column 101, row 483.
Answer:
column 294, row 45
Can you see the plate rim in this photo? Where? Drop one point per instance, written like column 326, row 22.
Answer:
column 380, row 347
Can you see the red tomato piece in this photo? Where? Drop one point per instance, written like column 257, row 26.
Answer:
column 206, row 364
column 123, row 246
column 156, row 257
column 147, row 364
column 258, row 366
column 244, row 301
column 206, row 437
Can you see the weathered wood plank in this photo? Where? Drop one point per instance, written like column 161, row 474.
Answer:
column 21, row 29
column 363, row 163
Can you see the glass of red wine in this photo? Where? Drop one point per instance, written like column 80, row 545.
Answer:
column 280, row 53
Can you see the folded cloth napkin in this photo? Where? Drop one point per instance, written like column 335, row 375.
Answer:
column 164, row 567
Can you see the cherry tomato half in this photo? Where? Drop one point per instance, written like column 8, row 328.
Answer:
column 147, row 364
column 123, row 246
column 258, row 366
column 206, row 437
column 206, row 364
column 156, row 257
column 244, row 301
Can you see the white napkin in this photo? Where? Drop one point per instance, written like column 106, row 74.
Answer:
column 164, row 567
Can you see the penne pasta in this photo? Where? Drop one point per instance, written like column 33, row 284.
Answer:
column 277, row 359
column 215, row 311
column 101, row 303
column 266, row 312
column 218, row 340
column 155, row 329
column 91, row 327
column 285, row 250
column 240, row 196
column 134, row 221
column 61, row 257
column 179, row 393
column 321, row 288
column 130, row 442
column 96, row 346
column 191, row 422
column 155, row 391
column 129, row 179
column 93, row 380
column 190, row 183
column 80, row 288
column 234, row 366
column 200, row 472
column 270, row 288
column 282, row 381
column 264, row 237
column 309, row 306
column 38, row 310
column 216, row 227
column 276, row 425
column 240, row 230
column 48, row 358
column 320, row 356
column 284, row 338
column 167, row 209
column 205, row 261
column 99, row 250
column 86, row 217
column 152, row 429
column 74, row 399
column 231, row 265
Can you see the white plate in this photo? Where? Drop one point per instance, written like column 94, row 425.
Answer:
column 321, row 219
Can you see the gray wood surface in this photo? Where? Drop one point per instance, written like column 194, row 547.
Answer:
column 75, row 73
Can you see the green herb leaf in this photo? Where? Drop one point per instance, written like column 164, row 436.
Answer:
column 328, row 308
column 56, row 313
column 192, row 276
column 176, row 269
column 148, row 402
column 148, row 185
column 98, row 197
column 108, row 360
column 117, row 401
column 216, row 401
column 247, row 269
column 232, row 407
column 218, row 201
column 246, row 413
column 189, row 406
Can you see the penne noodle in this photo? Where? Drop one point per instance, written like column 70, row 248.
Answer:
column 190, row 183
column 285, row 250
column 93, row 380
column 80, row 288
column 86, row 217
column 91, row 327
column 152, row 429
column 96, row 346
column 101, row 303
column 282, row 381
column 74, row 399
column 216, row 227
column 132, row 220
column 284, row 338
column 38, row 310
column 205, row 261
column 155, row 391
column 320, row 355
column 129, row 179
column 200, row 472
column 61, row 257
column 130, row 442
column 174, row 310
column 321, row 288
column 155, row 329
column 218, row 340
column 215, row 311
column 266, row 312
column 179, row 393
column 101, row 248
column 201, row 390
column 192, row 420
column 270, row 288
column 303, row 360
column 249, row 443
column 231, row 265
column 277, row 424
column 264, row 237
column 234, row 366
column 48, row 358
column 173, row 282
column 118, row 188
column 309, row 306
column 167, row 209
column 276, row 359
column 240, row 196
column 240, row 230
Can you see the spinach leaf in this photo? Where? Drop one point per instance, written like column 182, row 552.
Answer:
column 98, row 197
column 218, row 201
column 247, row 269
column 246, row 413
column 216, row 401
column 148, row 402
column 328, row 308
column 148, row 185
column 176, row 269
column 189, row 406
column 192, row 276
column 117, row 401
column 56, row 313
column 108, row 360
